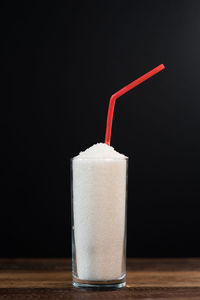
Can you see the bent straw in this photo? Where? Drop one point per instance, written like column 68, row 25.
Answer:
column 121, row 92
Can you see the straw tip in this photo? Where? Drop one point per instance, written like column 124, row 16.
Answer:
column 162, row 66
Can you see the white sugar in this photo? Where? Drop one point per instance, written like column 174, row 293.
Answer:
column 100, row 150
column 99, row 192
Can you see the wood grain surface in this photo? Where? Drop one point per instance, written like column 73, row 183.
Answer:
column 146, row 279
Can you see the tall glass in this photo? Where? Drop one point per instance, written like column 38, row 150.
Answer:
column 98, row 201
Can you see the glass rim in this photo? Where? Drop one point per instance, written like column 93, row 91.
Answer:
column 126, row 158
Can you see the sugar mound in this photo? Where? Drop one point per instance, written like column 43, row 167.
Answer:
column 100, row 151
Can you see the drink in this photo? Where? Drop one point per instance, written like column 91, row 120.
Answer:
column 99, row 206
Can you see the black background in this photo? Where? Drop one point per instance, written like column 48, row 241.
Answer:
column 61, row 63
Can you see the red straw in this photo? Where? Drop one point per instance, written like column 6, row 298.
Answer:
column 121, row 92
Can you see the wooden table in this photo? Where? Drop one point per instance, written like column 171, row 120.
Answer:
column 146, row 279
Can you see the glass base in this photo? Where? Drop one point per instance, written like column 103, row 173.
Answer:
column 99, row 286
column 110, row 284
